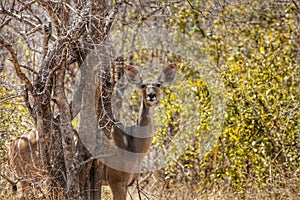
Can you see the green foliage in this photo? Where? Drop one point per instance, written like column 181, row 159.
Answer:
column 256, row 49
column 14, row 116
column 261, row 72
column 187, row 109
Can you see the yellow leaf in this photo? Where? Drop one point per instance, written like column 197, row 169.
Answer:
column 262, row 50
column 27, row 52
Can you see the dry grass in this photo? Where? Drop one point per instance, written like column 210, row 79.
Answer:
column 283, row 188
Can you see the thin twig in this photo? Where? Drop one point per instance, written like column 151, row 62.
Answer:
column 10, row 97
column 9, row 180
column 35, row 27
column 111, row 16
column 296, row 5
column 52, row 14
column 138, row 189
column 25, row 67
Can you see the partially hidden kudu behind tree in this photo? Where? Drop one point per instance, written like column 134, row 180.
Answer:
column 24, row 160
column 24, row 155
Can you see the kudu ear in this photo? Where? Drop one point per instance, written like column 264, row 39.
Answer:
column 133, row 74
column 168, row 74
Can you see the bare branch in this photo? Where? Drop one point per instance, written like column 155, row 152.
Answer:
column 19, row 72
column 5, row 23
column 10, row 97
column 111, row 16
column 47, row 33
column 52, row 14
column 35, row 27
column 71, row 8
column 12, row 182
column 296, row 5
column 49, row 58
column 25, row 67
column 19, row 18
column 28, row 105
column 33, row 30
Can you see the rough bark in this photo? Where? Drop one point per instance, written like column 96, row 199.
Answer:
column 64, row 33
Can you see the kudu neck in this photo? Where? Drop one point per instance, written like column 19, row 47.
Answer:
column 145, row 115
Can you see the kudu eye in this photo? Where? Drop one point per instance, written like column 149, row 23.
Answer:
column 158, row 85
column 143, row 86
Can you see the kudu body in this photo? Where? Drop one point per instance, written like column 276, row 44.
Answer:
column 119, row 180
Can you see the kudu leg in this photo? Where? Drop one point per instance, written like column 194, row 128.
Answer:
column 118, row 182
column 119, row 191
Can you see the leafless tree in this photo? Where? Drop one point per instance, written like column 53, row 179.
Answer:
column 48, row 43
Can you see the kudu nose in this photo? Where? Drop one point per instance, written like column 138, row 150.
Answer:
column 151, row 96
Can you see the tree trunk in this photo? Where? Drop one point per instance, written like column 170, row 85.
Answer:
column 62, row 34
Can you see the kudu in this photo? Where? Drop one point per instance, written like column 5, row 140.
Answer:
column 119, row 180
column 25, row 162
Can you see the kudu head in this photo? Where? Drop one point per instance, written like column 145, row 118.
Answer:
column 150, row 89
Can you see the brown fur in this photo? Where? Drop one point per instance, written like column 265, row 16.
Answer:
column 24, row 162
column 119, row 181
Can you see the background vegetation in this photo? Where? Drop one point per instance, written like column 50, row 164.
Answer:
column 255, row 48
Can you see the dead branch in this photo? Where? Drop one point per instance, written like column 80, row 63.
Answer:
column 12, row 182
column 22, row 19
column 111, row 16
column 50, row 58
column 28, row 105
column 47, row 34
column 19, row 72
column 25, row 67
column 50, row 11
